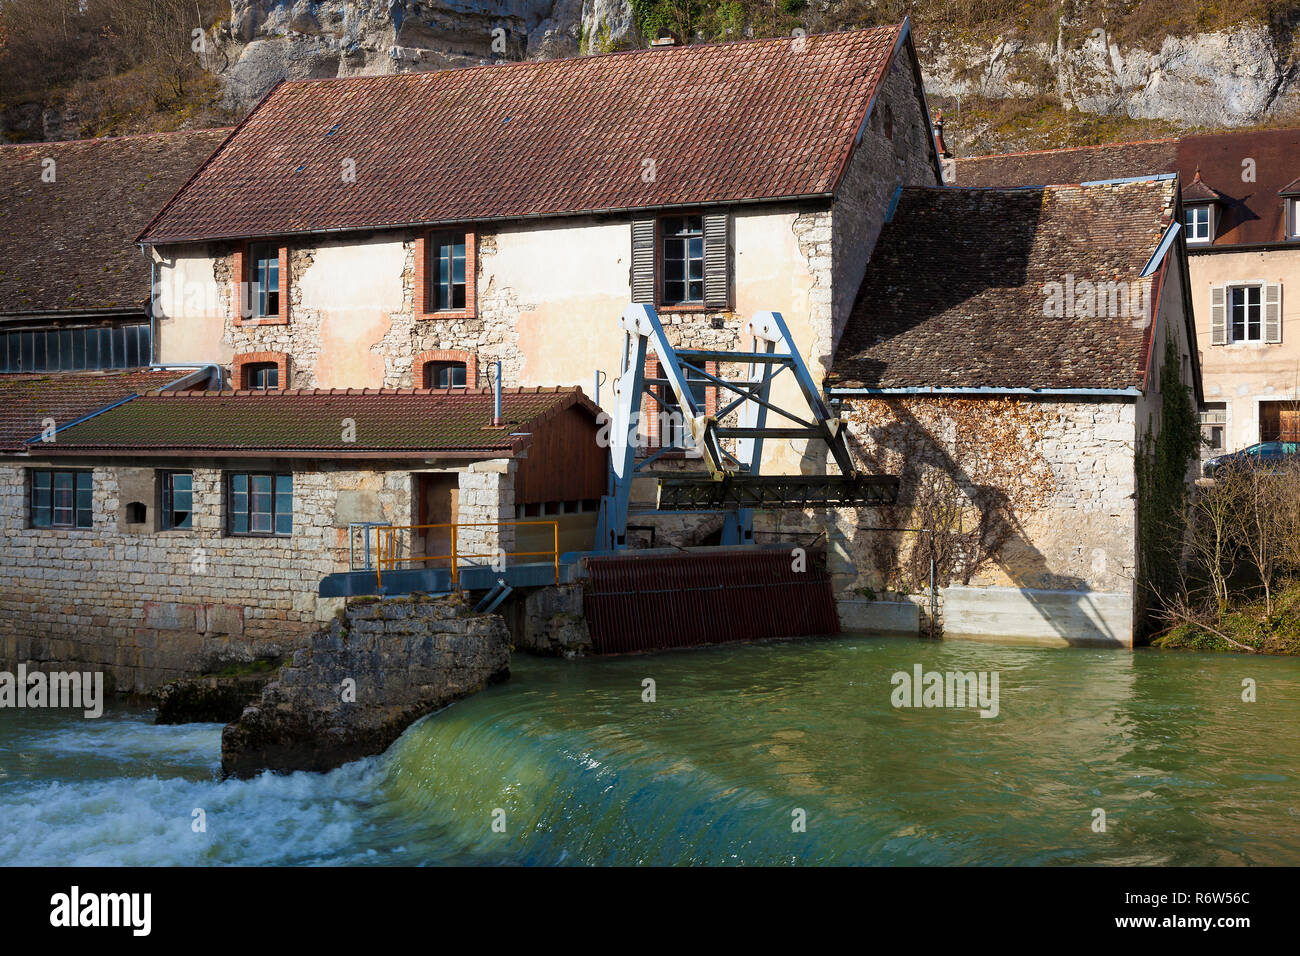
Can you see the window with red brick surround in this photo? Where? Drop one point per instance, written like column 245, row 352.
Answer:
column 426, row 274
column 244, row 293
column 279, row 359
column 423, row 360
column 651, row 410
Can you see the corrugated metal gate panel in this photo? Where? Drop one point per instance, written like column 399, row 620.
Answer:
column 684, row 600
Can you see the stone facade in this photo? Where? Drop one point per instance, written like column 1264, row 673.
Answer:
column 1041, row 492
column 487, row 496
column 150, row 606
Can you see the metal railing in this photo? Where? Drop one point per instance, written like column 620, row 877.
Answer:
column 365, row 527
column 386, row 546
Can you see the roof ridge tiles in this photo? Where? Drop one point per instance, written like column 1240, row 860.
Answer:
column 429, row 76
column 1068, row 149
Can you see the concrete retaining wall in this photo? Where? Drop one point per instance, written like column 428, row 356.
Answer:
column 1079, row 618
column 880, row 617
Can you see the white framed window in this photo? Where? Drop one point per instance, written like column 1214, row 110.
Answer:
column 1246, row 313
column 1293, row 218
column 1214, row 425
column 1199, row 220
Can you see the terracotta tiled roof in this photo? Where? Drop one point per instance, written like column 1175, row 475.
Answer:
column 68, row 245
column 388, row 422
column 761, row 119
column 977, row 315
column 1082, row 164
column 27, row 400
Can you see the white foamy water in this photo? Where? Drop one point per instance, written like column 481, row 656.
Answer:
column 120, row 791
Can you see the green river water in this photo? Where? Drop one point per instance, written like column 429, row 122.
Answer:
column 578, row 769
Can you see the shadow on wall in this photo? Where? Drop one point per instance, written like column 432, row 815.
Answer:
column 1062, row 601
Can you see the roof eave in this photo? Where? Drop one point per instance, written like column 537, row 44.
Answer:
column 519, row 217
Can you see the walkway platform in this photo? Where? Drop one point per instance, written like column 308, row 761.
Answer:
column 532, row 574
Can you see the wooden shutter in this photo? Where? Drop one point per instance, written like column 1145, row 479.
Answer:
column 1218, row 316
column 717, row 262
column 1272, row 312
column 643, row 260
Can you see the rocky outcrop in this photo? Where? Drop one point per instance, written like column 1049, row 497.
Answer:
column 378, row 667
column 215, row 699
column 269, row 40
column 1234, row 78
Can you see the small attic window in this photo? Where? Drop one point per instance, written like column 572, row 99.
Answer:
column 1199, row 219
column 333, row 129
column 1293, row 217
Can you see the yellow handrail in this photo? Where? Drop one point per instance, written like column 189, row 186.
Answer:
column 386, row 545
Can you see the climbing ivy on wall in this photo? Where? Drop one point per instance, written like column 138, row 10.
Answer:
column 969, row 469
column 1163, row 460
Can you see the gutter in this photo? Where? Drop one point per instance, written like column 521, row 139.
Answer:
column 1200, row 249
column 984, row 390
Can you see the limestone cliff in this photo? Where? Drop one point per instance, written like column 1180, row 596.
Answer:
column 266, row 40
column 1238, row 77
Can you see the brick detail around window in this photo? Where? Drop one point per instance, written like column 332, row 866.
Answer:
column 281, row 360
column 447, row 355
column 651, row 410
column 241, row 293
column 424, row 291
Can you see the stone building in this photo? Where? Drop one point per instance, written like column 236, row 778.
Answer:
column 1011, row 384
column 1241, row 201
column 181, row 532
column 412, row 230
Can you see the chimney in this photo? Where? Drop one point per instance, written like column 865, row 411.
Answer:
column 496, row 394
column 938, row 136
column 666, row 37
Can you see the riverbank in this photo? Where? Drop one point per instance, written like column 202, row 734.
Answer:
column 1245, row 628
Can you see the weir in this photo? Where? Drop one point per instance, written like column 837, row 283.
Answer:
column 656, row 599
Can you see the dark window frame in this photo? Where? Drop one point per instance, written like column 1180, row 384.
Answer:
column 75, row 509
column 433, row 368
column 687, row 229
column 263, row 262
column 1247, row 307
column 248, row 513
column 75, row 348
column 168, row 510
column 269, row 370
column 678, row 432
column 444, row 292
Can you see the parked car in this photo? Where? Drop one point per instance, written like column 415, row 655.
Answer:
column 1265, row 454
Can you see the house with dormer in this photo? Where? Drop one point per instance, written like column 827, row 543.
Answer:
column 1241, row 202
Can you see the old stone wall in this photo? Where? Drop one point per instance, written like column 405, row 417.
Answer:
column 378, row 667
column 1039, row 495
column 487, row 496
column 896, row 149
column 148, row 606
